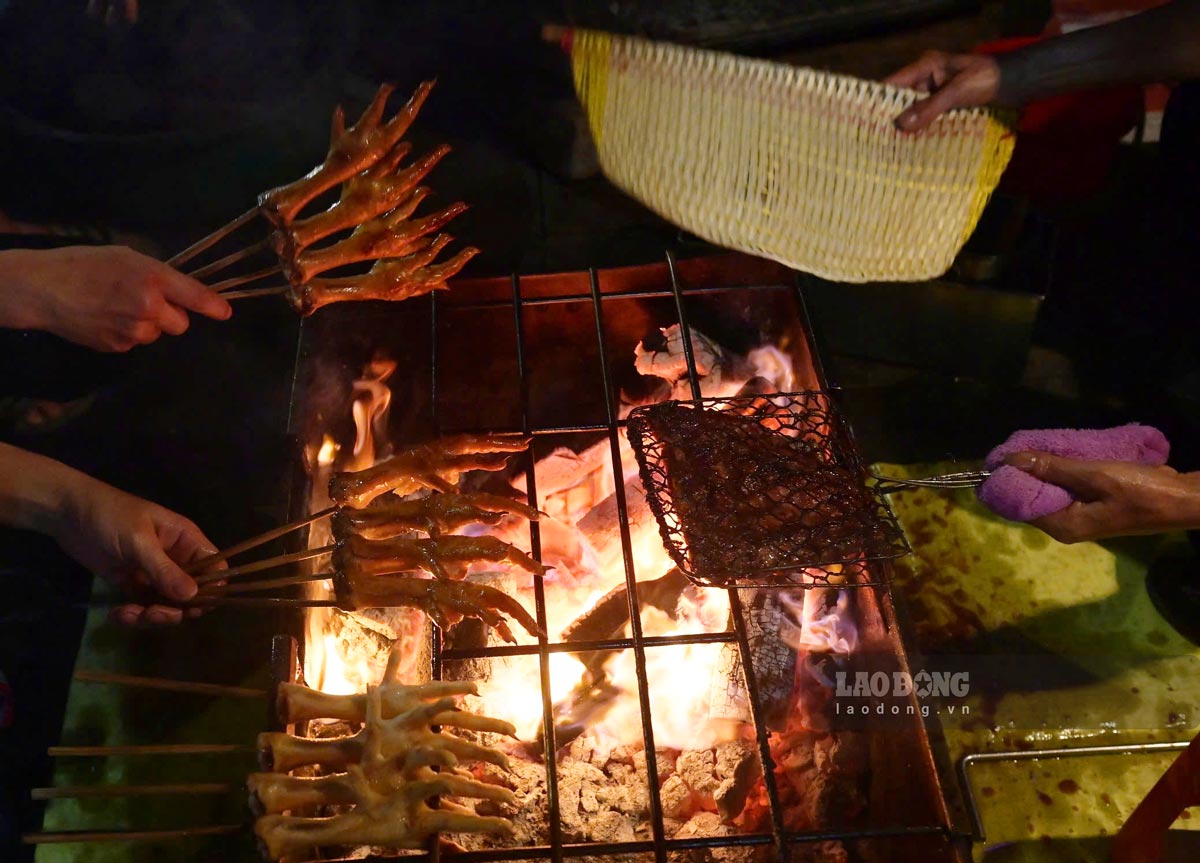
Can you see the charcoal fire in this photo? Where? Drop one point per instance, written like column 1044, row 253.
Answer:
column 709, row 771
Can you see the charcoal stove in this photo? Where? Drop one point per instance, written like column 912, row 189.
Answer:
column 546, row 355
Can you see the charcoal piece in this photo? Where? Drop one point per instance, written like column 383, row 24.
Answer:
column 774, row 663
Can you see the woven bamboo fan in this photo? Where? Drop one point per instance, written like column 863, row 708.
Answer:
column 792, row 164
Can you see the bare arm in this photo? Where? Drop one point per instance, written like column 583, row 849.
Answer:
column 128, row 541
column 1162, row 44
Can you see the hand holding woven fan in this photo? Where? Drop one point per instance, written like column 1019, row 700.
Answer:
column 800, row 166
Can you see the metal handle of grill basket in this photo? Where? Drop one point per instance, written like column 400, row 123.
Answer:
column 963, row 479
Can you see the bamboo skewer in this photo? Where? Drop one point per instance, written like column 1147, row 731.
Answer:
column 61, row 792
column 260, row 539
column 183, row 686
column 260, row 565
column 211, row 601
column 266, row 584
column 148, row 749
column 260, row 602
column 257, row 292
column 212, row 239
column 234, row 281
column 230, row 259
column 127, row 835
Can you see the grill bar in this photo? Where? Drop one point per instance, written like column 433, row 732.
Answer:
column 616, row 295
column 742, row 840
column 539, row 593
column 735, row 602
column 635, row 615
column 588, row 646
column 434, row 843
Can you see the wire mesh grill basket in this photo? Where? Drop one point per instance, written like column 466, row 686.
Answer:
column 772, row 494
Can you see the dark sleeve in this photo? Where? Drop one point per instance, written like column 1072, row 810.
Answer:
column 1161, row 45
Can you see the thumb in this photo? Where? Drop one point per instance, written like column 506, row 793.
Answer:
column 163, row 573
column 920, row 115
column 1077, row 477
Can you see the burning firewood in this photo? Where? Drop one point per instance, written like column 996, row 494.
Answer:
column 591, row 698
column 387, row 773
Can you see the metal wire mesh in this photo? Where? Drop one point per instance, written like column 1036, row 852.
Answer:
column 762, row 491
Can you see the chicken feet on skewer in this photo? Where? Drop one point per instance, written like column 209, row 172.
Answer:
column 387, row 774
column 299, row 703
column 350, row 152
column 398, row 817
column 375, row 191
column 398, row 722
column 444, row 556
column 436, row 465
column 434, row 514
column 446, row 602
column 390, row 279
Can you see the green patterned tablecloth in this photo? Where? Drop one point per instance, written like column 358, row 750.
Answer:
column 1079, row 654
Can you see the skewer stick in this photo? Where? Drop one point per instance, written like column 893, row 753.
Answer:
column 60, row 792
column 148, row 749
column 256, row 292
column 203, row 601
column 233, row 282
column 230, row 259
column 261, row 602
column 212, row 239
column 260, row 565
column 127, row 835
column 266, row 584
column 184, row 686
column 260, row 539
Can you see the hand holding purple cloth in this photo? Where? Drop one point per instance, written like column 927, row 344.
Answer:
column 1018, row 496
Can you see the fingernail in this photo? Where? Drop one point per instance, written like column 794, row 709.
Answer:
column 126, row 616
column 183, row 590
column 159, row 616
column 1022, row 461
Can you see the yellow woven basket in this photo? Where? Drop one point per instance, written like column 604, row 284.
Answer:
column 792, row 164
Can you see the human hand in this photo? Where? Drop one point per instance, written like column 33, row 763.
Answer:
column 133, row 543
column 951, row 80
column 109, row 298
column 1113, row 498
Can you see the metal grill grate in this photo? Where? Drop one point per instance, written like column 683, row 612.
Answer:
column 773, row 546
column 778, row 839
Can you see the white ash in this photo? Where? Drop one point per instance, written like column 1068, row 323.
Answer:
column 604, row 797
column 773, row 660
column 710, row 824
column 670, row 362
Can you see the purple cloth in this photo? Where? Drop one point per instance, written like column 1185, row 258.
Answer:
column 1018, row 496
